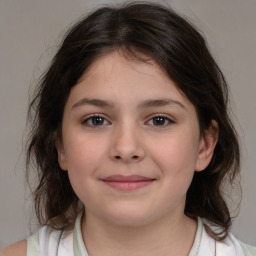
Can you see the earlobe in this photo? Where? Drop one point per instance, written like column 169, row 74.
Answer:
column 206, row 146
column 61, row 154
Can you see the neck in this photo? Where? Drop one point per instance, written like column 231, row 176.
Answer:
column 167, row 236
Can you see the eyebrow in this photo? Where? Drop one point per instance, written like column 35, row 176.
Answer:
column 160, row 103
column 145, row 104
column 93, row 102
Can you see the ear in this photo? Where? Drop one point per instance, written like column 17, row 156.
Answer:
column 207, row 145
column 61, row 154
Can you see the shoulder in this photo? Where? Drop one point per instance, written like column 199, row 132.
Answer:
column 248, row 249
column 47, row 240
column 17, row 249
column 231, row 246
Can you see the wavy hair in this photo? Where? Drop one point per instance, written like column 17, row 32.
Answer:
column 135, row 29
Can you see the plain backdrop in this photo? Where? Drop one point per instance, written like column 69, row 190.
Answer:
column 30, row 31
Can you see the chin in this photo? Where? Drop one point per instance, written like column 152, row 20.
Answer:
column 129, row 217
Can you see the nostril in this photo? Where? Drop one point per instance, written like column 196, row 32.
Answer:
column 119, row 157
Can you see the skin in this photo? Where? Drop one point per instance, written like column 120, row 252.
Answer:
column 17, row 249
column 127, row 140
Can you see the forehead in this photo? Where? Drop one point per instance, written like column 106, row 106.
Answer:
column 116, row 77
column 111, row 64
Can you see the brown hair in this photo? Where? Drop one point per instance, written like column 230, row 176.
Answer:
column 181, row 51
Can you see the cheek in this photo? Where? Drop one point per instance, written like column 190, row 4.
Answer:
column 83, row 157
column 83, row 153
column 176, row 157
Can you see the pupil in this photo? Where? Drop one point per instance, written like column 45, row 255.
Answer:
column 97, row 120
column 159, row 121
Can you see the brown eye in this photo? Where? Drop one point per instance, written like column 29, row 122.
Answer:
column 160, row 121
column 95, row 121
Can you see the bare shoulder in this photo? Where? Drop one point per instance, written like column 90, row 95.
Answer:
column 17, row 249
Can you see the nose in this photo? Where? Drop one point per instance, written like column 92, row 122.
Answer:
column 127, row 145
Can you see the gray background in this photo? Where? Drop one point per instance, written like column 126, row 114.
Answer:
column 29, row 33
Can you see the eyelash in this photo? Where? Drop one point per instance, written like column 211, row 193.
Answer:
column 85, row 122
column 90, row 118
column 166, row 119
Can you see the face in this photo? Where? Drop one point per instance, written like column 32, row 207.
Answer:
column 130, row 142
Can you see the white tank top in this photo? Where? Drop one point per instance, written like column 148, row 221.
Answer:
column 51, row 242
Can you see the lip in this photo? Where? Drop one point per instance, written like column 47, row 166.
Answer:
column 127, row 183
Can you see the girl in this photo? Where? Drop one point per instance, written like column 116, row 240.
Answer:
column 133, row 142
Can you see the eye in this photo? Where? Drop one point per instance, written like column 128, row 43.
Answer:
column 95, row 120
column 160, row 121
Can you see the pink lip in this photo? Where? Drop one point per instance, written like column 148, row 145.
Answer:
column 127, row 183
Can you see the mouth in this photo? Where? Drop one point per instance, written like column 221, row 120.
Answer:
column 127, row 183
